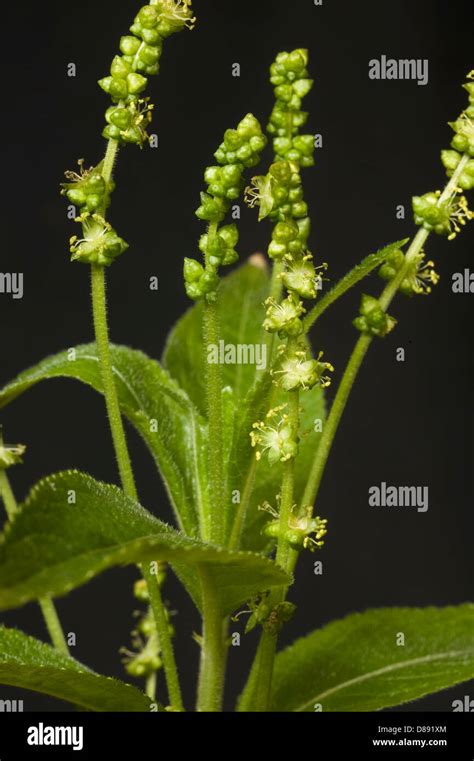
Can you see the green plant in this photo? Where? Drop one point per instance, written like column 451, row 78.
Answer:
column 241, row 451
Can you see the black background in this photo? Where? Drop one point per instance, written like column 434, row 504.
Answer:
column 408, row 423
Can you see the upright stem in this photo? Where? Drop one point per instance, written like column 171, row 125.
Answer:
column 48, row 609
column 213, row 650
column 53, row 624
column 99, row 308
column 285, row 557
column 214, row 523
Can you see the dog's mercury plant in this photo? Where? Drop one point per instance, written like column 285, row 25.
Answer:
column 240, row 452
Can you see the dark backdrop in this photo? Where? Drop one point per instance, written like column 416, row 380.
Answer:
column 408, row 423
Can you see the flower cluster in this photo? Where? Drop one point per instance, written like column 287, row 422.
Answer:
column 274, row 437
column 303, row 532
column 145, row 659
column 100, row 245
column 373, row 320
column 87, row 188
column 240, row 149
column 290, row 78
column 279, row 196
column 419, row 277
column 447, row 216
column 141, row 52
column 300, row 373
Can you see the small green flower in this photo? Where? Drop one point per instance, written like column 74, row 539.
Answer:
column 301, row 278
column 276, row 441
column 87, row 188
column 300, row 373
column 284, row 318
column 11, row 454
column 372, row 319
column 100, row 244
column 444, row 218
column 419, row 278
column 302, row 532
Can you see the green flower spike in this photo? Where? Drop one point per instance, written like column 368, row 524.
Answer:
column 290, row 78
column 141, row 52
column 100, row 244
column 276, row 441
column 372, row 319
column 241, row 148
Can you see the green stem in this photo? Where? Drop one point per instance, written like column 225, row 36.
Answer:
column 213, row 649
column 53, row 624
column 166, row 645
column 360, row 350
column 213, row 528
column 48, row 609
column 7, row 495
column 286, row 558
column 99, row 308
column 241, row 514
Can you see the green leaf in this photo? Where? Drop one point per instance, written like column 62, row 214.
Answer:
column 352, row 278
column 174, row 431
column 72, row 528
column 355, row 664
column 27, row 663
column 241, row 314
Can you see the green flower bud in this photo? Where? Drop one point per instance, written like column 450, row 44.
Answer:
column 211, row 209
column 192, row 270
column 119, row 68
column 373, row 320
column 129, row 46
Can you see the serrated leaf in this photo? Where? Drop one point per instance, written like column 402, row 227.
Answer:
column 241, row 315
column 361, row 270
column 72, row 528
column 32, row 665
column 355, row 664
column 161, row 411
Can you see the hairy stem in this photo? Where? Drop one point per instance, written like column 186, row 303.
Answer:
column 285, row 557
column 241, row 514
column 213, row 649
column 53, row 624
column 99, row 308
column 360, row 350
column 46, row 604
column 214, row 523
